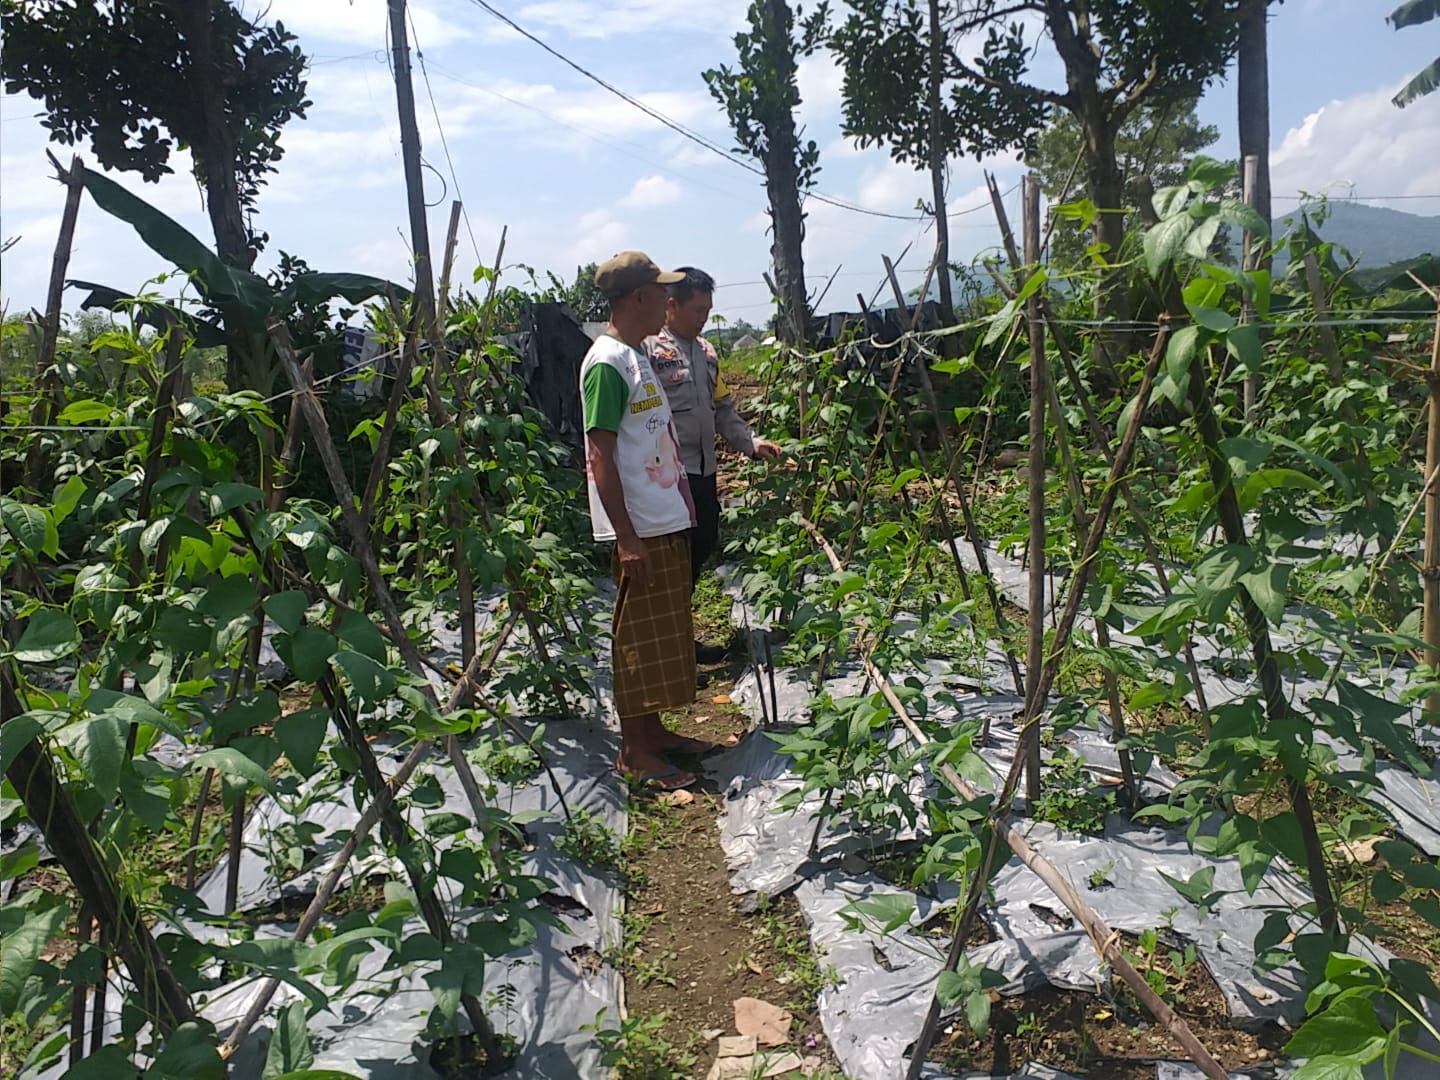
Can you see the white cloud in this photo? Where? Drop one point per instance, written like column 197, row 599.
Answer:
column 651, row 191
column 581, row 19
column 357, row 22
column 1361, row 145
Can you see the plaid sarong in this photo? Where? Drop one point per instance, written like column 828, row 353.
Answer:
column 652, row 637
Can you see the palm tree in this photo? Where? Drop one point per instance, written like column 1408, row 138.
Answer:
column 1413, row 13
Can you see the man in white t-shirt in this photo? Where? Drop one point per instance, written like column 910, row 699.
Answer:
column 640, row 499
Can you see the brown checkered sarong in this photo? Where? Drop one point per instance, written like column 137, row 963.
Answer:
column 652, row 638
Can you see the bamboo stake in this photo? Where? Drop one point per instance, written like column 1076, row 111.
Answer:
column 1249, row 193
column 1232, row 524
column 371, row 815
column 447, row 263
column 1052, row 663
column 1430, row 573
column 1081, row 520
column 45, row 406
column 84, row 927
column 48, row 805
column 1104, row 939
column 365, row 555
column 1147, row 538
column 1029, row 746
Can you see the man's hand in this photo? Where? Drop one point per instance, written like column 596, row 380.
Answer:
column 764, row 448
column 635, row 560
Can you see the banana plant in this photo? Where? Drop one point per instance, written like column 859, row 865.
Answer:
column 242, row 300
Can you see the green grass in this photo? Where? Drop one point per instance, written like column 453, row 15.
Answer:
column 712, row 611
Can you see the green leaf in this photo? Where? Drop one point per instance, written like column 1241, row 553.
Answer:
column 1197, row 244
column 1243, row 216
column 1164, row 241
column 15, row 734
column 1180, row 353
column 246, row 713
column 1243, row 343
column 977, row 1013
column 228, row 760
column 1346, row 1027
column 67, row 498
column 289, row 1044
column 1268, row 586
column 1329, row 1067
column 110, row 1062
column 300, row 735
column 215, row 280
column 287, row 609
column 371, row 682
column 225, row 497
column 1205, row 173
column 359, row 633
column 229, row 598
column 1254, row 862
column 306, row 652
column 86, row 411
column 49, row 635
column 31, row 527
column 20, row 948
column 1169, row 201
column 189, row 1054
column 1212, row 318
column 99, row 746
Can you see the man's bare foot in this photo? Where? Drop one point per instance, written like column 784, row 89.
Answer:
column 653, row 769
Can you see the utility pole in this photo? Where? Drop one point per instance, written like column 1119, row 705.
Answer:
column 410, row 153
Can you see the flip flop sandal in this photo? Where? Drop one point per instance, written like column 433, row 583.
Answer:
column 667, row 779
column 692, row 747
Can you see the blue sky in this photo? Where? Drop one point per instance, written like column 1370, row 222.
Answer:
column 578, row 174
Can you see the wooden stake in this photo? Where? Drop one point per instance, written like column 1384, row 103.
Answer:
column 1105, row 940
column 46, row 407
column 447, row 264
column 1430, row 574
column 1251, row 384
column 368, row 820
column 410, row 153
column 1035, row 621
column 48, row 805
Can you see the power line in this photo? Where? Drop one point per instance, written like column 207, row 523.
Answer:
column 619, row 146
column 676, row 126
column 464, row 212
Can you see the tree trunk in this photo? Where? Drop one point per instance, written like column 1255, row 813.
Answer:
column 782, row 185
column 1253, row 96
column 1105, row 186
column 214, row 154
column 937, row 169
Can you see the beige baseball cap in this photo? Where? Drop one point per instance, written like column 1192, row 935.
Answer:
column 624, row 273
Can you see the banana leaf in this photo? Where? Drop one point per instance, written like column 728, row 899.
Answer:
column 1413, row 13
column 150, row 313
column 218, row 282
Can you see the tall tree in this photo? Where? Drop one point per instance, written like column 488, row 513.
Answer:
column 1253, row 100
column 1152, row 149
column 1116, row 55
column 1413, row 13
column 141, row 79
column 889, row 49
column 760, row 96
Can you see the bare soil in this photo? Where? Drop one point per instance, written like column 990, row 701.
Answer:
column 1113, row 1039
column 690, row 950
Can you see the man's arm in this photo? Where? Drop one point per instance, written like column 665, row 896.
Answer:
column 634, row 557
column 733, row 428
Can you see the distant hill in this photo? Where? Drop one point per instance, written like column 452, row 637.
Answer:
column 1375, row 235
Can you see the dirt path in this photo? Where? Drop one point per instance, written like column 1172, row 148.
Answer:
column 689, row 951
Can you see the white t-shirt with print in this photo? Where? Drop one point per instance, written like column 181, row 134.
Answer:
column 657, row 494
